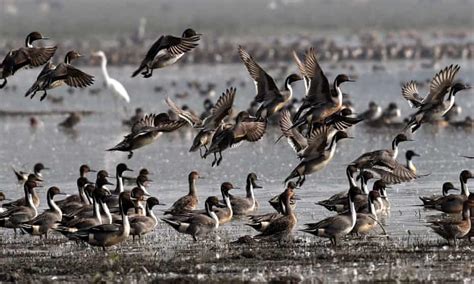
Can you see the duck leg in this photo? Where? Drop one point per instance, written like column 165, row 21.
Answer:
column 4, row 83
column 43, row 96
column 220, row 158
column 149, row 74
column 200, row 153
column 215, row 160
column 130, row 155
column 303, row 179
column 147, row 69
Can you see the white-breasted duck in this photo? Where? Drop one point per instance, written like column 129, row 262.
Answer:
column 453, row 203
column 141, row 225
column 248, row 204
column 166, row 51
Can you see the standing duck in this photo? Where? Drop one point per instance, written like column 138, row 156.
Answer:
column 271, row 99
column 166, row 51
column 248, row 204
column 452, row 229
column 141, row 225
column 366, row 222
column 188, row 202
column 338, row 226
column 146, row 131
column 112, row 201
column 55, row 76
column 28, row 56
column 47, row 220
column 198, row 225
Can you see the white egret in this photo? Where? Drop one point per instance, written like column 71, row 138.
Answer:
column 117, row 89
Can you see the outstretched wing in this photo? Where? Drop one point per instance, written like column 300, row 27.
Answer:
column 188, row 116
column 296, row 140
column 318, row 91
column 410, row 93
column 222, row 108
column 441, row 83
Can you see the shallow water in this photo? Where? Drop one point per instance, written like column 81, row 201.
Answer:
column 169, row 159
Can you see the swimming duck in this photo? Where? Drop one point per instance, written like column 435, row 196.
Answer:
column 109, row 234
column 47, row 220
column 188, row 202
column 208, row 125
column 146, row 131
column 430, row 201
column 28, row 56
column 453, row 203
column 198, row 224
column 271, row 98
column 245, row 128
column 55, row 76
column 338, row 226
column 452, row 229
column 166, row 51
column 248, row 204
column 23, row 176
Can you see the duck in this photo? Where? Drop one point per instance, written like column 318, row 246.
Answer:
column 262, row 222
column 321, row 100
column 112, row 200
column 15, row 216
column 340, row 197
column 245, row 128
column 55, row 76
column 133, row 180
column 24, row 201
column 433, row 106
column 270, row 98
column 207, row 125
column 106, row 235
column 454, row 229
column 76, row 201
column 430, row 201
column 320, row 151
column 166, row 51
column 113, row 85
column 198, row 225
column 141, row 225
column 453, row 203
column 28, row 56
column 188, row 202
column 73, row 119
column 409, row 159
column 248, row 204
column 146, row 131
column 48, row 220
column 373, row 113
column 384, row 164
column 225, row 214
column 366, row 222
column 338, row 226
column 23, row 176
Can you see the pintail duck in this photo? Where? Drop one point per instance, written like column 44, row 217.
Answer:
column 146, row 131
column 208, row 124
column 77, row 201
column 47, row 220
column 280, row 222
column 112, row 201
column 23, row 201
column 319, row 152
column 166, row 51
column 55, row 76
column 23, row 176
column 453, row 203
column 433, row 106
column 431, row 201
column 248, row 204
column 409, row 158
column 225, row 214
column 141, row 225
column 271, row 98
column 383, row 163
column 198, row 224
column 320, row 99
column 338, row 226
column 452, row 229
column 188, row 202
column 366, row 222
column 28, row 56
column 276, row 203
column 245, row 128
column 373, row 113
column 133, row 180
column 340, row 197
column 109, row 234
column 15, row 216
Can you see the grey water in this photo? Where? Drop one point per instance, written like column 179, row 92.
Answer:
column 170, row 162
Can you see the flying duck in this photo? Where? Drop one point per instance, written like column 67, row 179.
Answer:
column 166, row 51
column 55, row 76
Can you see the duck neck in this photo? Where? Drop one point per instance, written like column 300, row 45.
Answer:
column 28, row 42
column 150, row 214
column 372, row 208
column 192, row 187
column 125, row 222
column 352, row 211
column 140, row 209
column 82, row 195
column 410, row 165
column 53, row 206
column 337, row 97
column 363, row 185
column 466, row 214
column 352, row 182
column 464, row 188
column 289, row 89
column 106, row 210
column 288, row 209
column 96, row 209
column 450, row 100
column 119, row 188
column 226, row 198
column 213, row 215
column 250, row 193
column 395, row 148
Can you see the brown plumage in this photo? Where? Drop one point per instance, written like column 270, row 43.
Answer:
column 452, row 229
column 188, row 202
column 248, row 204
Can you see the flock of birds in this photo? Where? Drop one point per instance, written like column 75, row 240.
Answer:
column 101, row 217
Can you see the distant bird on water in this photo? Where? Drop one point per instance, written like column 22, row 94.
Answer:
column 28, row 56
column 166, row 51
column 64, row 73
column 115, row 87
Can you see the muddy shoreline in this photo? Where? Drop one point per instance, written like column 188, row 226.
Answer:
column 175, row 259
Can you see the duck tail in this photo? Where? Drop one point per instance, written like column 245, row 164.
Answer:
column 172, row 223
